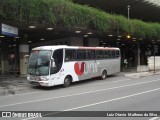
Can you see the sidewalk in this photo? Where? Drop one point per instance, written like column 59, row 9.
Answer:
column 140, row 74
column 10, row 85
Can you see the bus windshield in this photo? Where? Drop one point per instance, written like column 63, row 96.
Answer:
column 39, row 62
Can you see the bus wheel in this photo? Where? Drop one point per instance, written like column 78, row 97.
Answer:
column 67, row 81
column 104, row 74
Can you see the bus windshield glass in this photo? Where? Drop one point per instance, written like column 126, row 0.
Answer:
column 39, row 62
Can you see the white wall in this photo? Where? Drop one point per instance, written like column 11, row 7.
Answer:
column 151, row 63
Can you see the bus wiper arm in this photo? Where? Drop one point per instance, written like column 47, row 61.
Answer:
column 36, row 68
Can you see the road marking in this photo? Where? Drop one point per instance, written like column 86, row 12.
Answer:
column 115, row 99
column 102, row 102
column 82, row 93
column 103, row 83
column 71, row 87
column 155, row 118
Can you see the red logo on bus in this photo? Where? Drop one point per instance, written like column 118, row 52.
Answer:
column 79, row 71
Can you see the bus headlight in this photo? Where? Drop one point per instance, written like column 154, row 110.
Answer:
column 28, row 77
column 43, row 79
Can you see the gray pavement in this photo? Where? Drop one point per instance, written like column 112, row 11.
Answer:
column 116, row 93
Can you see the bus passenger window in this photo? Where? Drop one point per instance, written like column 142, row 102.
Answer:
column 117, row 54
column 90, row 54
column 99, row 54
column 113, row 55
column 81, row 54
column 107, row 54
column 70, row 55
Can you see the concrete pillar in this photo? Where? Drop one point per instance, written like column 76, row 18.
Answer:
column 24, row 50
column 4, row 62
column 4, row 65
column 0, row 63
column 138, row 54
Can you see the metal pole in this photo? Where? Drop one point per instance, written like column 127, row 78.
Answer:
column 154, row 56
column 130, row 64
column 128, row 6
column 138, row 52
column 128, row 11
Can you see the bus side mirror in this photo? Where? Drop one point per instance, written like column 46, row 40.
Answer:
column 26, row 58
column 53, row 63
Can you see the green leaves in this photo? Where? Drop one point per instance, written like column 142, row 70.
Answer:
column 69, row 14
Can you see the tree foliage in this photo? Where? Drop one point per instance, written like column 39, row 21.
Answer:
column 69, row 14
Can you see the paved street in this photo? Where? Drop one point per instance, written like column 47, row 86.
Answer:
column 116, row 93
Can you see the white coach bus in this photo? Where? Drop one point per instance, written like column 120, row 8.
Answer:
column 56, row 65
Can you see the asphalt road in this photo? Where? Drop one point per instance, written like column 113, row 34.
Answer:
column 116, row 93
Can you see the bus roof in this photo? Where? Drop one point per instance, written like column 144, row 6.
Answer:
column 73, row 47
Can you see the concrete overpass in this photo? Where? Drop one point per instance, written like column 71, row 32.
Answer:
column 146, row 10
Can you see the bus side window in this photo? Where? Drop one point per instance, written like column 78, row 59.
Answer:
column 70, row 55
column 90, row 54
column 117, row 54
column 113, row 54
column 81, row 54
column 106, row 54
column 99, row 54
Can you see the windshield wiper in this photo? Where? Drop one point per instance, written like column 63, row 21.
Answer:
column 31, row 72
column 32, row 68
column 36, row 68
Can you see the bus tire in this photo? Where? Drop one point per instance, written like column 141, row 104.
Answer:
column 67, row 81
column 104, row 74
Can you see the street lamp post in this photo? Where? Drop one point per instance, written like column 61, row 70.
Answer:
column 128, row 6
column 128, row 36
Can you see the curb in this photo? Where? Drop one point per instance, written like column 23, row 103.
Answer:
column 141, row 74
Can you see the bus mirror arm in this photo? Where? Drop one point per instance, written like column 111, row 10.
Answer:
column 26, row 58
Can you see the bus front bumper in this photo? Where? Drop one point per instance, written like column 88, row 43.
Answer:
column 39, row 83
